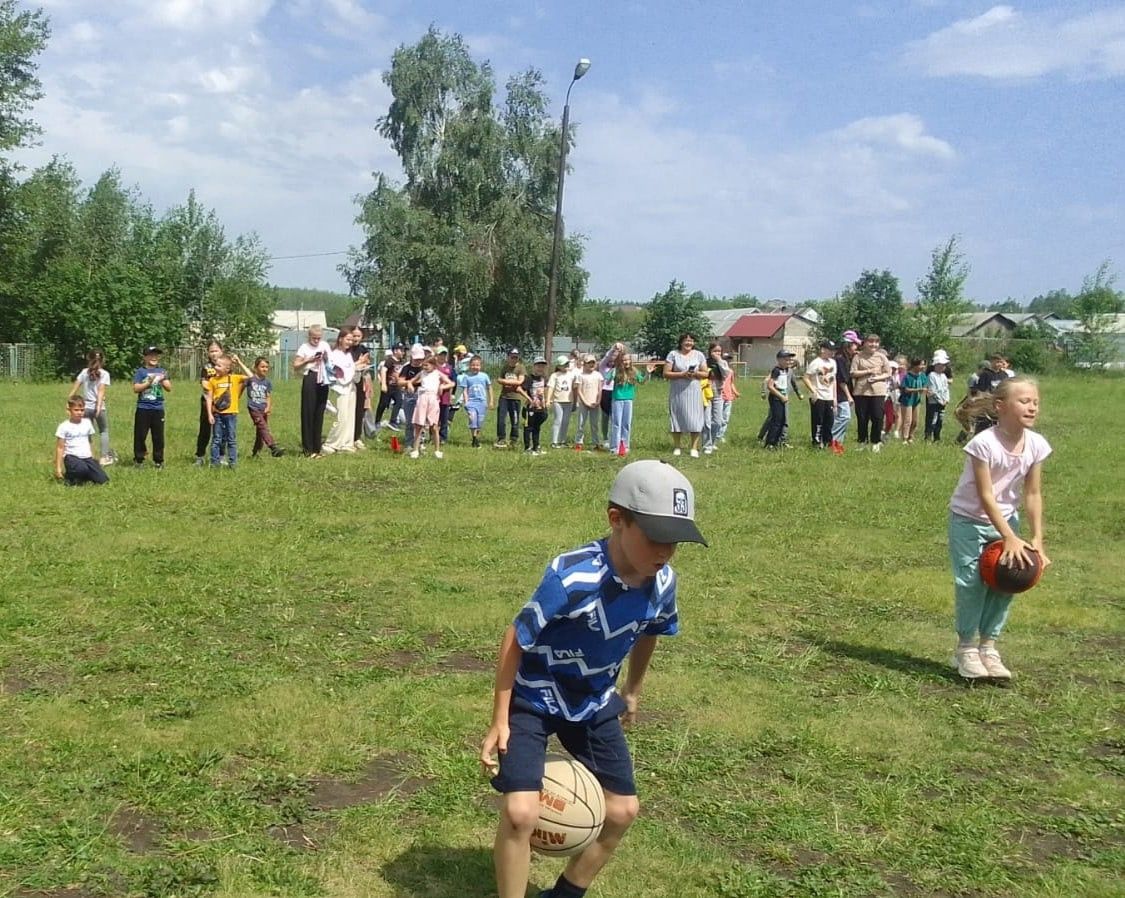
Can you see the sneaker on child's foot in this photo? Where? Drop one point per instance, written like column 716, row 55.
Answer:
column 327, row 450
column 500, row 444
column 414, row 453
column 694, row 453
column 277, row 451
column 708, row 450
column 438, row 454
column 359, row 444
column 390, row 426
column 990, row 658
column 968, row 663
column 676, row 452
column 198, row 461
column 876, row 447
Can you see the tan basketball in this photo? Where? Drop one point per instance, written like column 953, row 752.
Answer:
column 571, row 808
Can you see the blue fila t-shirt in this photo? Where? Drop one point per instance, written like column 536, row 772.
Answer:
column 578, row 628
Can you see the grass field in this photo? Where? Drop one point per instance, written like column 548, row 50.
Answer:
column 273, row 681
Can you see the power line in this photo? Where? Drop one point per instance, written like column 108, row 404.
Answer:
column 305, row 256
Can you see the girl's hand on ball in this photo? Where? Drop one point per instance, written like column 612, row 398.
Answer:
column 1015, row 552
column 1044, row 561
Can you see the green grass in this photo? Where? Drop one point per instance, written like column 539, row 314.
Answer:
column 192, row 660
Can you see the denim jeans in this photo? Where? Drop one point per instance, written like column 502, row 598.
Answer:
column 978, row 609
column 508, row 413
column 726, row 404
column 224, row 433
column 622, row 427
column 102, row 422
column 841, row 420
column 712, row 423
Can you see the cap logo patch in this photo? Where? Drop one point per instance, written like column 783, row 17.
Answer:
column 679, row 502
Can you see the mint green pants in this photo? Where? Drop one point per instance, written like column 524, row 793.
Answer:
column 978, row 609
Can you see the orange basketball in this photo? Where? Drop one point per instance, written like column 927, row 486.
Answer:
column 571, row 808
column 1004, row 577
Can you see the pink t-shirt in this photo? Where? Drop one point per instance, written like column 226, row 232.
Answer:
column 1008, row 471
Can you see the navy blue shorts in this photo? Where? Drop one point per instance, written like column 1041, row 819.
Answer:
column 598, row 743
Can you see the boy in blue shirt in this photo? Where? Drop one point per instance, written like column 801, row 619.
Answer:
column 150, row 383
column 259, row 404
column 559, row 663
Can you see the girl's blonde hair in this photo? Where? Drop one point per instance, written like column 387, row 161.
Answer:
column 623, row 375
column 1003, row 390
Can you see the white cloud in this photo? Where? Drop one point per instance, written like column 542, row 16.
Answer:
column 906, row 132
column 1005, row 43
column 228, row 80
column 198, row 15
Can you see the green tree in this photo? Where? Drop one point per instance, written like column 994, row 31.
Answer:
column 463, row 247
column 23, row 36
column 1096, row 307
column 668, row 315
column 1059, row 302
column 600, row 322
column 941, row 300
column 871, row 305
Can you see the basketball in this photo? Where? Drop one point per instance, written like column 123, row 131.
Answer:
column 571, row 808
column 1005, row 578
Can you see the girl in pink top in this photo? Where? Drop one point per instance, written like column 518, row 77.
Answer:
column 1002, row 470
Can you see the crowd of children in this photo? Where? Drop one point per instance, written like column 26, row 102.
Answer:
column 420, row 390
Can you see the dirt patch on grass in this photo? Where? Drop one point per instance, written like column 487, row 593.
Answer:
column 1045, row 847
column 379, row 779
column 463, row 662
column 67, row 892
column 15, row 681
column 399, row 659
column 139, row 832
column 1105, row 750
column 303, row 836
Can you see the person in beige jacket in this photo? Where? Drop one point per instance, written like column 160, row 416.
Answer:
column 871, row 375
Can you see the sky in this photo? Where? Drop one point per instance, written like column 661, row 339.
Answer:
column 772, row 148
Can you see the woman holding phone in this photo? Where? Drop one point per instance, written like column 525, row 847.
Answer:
column 686, row 369
column 314, row 390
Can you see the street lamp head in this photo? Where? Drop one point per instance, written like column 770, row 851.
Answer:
column 582, row 68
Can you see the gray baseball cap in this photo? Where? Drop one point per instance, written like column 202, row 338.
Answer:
column 660, row 498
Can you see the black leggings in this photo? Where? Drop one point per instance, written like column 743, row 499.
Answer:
column 146, row 421
column 822, row 417
column 203, row 440
column 869, row 413
column 935, row 417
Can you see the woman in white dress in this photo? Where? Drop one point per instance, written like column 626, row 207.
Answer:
column 685, row 368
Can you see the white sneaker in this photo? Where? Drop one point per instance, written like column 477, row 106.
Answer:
column 969, row 665
column 414, row 453
column 876, row 447
column 676, row 452
column 438, row 454
column 990, row 658
column 694, row 453
column 327, row 450
column 359, row 444
column 708, row 450
column 106, row 461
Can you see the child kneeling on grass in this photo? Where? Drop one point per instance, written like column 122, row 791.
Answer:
column 559, row 662
column 1002, row 469
column 74, row 455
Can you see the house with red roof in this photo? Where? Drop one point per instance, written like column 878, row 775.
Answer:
column 756, row 339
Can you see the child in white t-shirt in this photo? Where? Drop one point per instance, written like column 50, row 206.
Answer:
column 1002, row 469
column 560, row 400
column 429, row 384
column 92, row 383
column 74, row 456
column 587, row 395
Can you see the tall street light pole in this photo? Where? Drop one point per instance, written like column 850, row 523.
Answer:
column 556, row 246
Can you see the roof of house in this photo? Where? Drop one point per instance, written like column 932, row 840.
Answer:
column 297, row 319
column 757, row 326
column 972, row 322
column 722, row 319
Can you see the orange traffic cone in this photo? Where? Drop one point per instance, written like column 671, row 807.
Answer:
column 621, row 450
column 577, row 447
column 395, row 447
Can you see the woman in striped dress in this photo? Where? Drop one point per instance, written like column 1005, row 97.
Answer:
column 686, row 369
